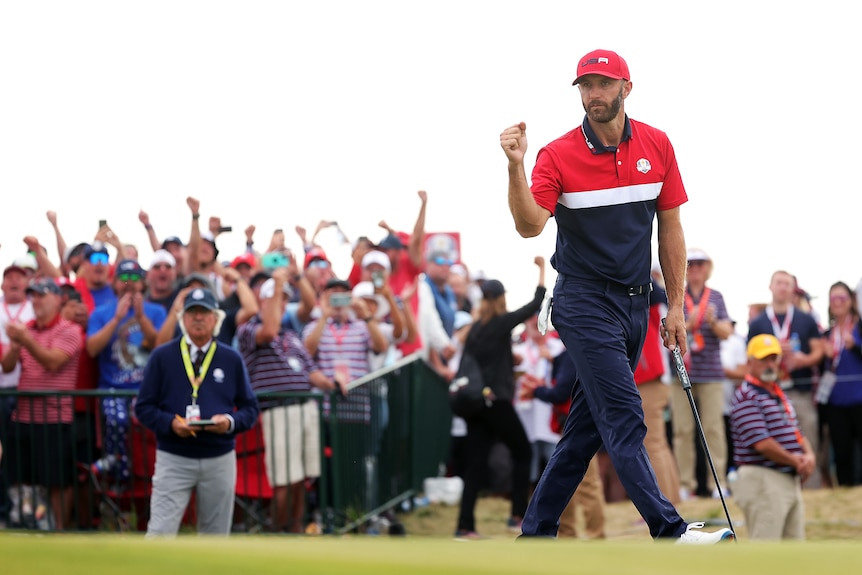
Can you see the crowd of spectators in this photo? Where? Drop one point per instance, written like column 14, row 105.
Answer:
column 92, row 318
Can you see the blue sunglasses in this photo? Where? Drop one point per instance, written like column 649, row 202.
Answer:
column 99, row 258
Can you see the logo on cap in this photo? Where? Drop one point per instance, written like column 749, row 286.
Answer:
column 589, row 61
column 198, row 294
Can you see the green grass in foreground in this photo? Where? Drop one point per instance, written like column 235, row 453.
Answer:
column 24, row 553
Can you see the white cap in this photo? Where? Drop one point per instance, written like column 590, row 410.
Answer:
column 267, row 289
column 27, row 262
column 366, row 290
column 376, row 257
column 697, row 254
column 163, row 257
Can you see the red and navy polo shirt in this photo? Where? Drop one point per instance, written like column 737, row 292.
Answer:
column 605, row 200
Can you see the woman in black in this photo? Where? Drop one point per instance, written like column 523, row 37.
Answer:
column 490, row 342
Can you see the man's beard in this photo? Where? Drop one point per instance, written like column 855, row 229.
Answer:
column 769, row 376
column 605, row 115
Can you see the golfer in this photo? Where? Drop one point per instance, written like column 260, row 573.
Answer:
column 605, row 181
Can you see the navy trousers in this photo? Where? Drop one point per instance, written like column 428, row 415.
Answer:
column 603, row 328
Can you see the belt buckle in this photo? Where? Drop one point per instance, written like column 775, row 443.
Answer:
column 639, row 290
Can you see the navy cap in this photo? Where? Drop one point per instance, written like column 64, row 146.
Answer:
column 200, row 297
column 492, row 289
column 129, row 267
column 391, row 242
column 172, row 240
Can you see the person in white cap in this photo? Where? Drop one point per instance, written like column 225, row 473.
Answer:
column 707, row 324
column 161, row 279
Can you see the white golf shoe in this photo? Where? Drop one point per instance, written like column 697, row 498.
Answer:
column 692, row 537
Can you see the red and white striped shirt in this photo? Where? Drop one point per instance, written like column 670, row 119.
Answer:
column 65, row 336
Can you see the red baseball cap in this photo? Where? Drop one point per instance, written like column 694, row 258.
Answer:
column 604, row 63
column 314, row 253
column 246, row 258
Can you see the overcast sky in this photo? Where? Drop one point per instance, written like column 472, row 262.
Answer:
column 285, row 113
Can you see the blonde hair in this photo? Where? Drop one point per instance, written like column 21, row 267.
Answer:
column 491, row 308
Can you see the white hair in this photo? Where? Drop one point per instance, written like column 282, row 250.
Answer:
column 220, row 315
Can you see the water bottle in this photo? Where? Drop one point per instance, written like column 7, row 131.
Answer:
column 795, row 343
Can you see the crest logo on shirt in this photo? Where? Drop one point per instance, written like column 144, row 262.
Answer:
column 218, row 375
column 644, row 166
column 294, row 364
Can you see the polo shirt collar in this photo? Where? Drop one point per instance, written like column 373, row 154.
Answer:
column 595, row 145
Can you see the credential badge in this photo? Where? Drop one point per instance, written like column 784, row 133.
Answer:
column 644, row 166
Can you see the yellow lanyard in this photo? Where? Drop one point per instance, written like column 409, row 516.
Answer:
column 194, row 379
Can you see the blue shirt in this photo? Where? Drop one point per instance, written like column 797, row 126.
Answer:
column 121, row 362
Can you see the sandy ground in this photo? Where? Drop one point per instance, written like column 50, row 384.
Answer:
column 831, row 514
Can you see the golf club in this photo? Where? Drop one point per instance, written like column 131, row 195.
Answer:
column 682, row 373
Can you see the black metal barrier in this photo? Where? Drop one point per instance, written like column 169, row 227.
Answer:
column 374, row 447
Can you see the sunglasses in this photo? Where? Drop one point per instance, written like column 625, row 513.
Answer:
column 695, row 263
column 129, row 277
column 839, row 298
column 322, row 264
column 99, row 258
column 441, row 261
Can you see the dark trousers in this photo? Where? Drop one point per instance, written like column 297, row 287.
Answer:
column 845, row 432
column 7, row 406
column 498, row 421
column 603, row 329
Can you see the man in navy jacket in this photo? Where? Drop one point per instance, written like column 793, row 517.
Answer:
column 196, row 396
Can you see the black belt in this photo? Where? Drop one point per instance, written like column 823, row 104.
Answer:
column 616, row 287
column 630, row 290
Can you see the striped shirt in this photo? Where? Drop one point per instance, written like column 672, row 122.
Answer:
column 65, row 336
column 706, row 364
column 604, row 200
column 345, row 346
column 755, row 415
column 283, row 364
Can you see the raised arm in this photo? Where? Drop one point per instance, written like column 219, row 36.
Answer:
column 417, row 238
column 61, row 242
column 151, row 233
column 194, row 236
column 530, row 218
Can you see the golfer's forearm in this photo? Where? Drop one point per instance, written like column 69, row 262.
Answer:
column 527, row 214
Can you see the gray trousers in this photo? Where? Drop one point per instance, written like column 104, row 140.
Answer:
column 214, row 479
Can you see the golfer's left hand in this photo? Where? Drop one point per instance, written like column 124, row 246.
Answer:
column 673, row 332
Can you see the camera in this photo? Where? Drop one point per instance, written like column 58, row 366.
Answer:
column 274, row 260
column 340, row 299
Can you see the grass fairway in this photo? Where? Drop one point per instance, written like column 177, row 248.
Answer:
column 133, row 555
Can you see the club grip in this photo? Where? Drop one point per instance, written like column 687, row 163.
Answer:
column 678, row 363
